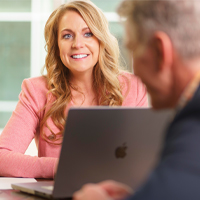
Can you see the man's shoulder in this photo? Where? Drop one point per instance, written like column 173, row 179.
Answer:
column 192, row 108
column 185, row 127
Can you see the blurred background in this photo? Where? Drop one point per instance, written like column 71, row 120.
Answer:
column 22, row 53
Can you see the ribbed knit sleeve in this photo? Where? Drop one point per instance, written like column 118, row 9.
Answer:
column 20, row 130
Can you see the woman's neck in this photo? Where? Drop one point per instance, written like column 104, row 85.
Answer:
column 83, row 82
column 82, row 90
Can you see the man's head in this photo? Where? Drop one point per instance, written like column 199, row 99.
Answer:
column 165, row 39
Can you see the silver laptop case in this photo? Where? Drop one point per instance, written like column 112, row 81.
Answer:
column 103, row 143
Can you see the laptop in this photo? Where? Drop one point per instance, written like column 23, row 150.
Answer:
column 101, row 143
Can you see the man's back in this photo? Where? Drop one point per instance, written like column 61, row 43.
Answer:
column 178, row 174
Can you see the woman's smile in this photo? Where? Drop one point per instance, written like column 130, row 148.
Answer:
column 78, row 47
column 79, row 56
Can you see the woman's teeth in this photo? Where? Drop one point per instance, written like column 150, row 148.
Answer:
column 79, row 56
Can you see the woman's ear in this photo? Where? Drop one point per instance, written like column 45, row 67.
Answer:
column 163, row 50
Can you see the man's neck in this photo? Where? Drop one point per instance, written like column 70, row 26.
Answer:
column 186, row 81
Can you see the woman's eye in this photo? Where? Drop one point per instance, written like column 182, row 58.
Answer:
column 67, row 36
column 89, row 34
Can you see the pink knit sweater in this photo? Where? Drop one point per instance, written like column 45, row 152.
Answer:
column 24, row 124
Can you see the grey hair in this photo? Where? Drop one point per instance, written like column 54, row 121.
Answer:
column 179, row 19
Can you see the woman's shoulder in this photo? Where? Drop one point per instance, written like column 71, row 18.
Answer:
column 127, row 74
column 38, row 80
column 128, row 79
column 133, row 90
column 35, row 88
column 38, row 83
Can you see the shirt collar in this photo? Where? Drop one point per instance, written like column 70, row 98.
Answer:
column 188, row 92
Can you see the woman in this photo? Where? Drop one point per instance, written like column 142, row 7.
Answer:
column 82, row 70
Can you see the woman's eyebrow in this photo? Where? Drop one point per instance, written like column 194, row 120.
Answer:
column 85, row 28
column 69, row 30
column 66, row 29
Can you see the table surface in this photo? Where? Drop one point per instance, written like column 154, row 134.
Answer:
column 17, row 195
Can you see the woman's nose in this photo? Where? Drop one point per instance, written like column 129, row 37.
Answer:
column 78, row 42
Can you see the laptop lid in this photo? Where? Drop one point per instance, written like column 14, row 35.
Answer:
column 103, row 143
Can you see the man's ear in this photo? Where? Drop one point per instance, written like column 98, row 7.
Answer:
column 163, row 50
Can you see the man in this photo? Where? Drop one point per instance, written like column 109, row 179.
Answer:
column 164, row 37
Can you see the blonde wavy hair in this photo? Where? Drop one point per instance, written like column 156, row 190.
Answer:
column 105, row 72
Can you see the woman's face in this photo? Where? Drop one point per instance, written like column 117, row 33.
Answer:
column 78, row 47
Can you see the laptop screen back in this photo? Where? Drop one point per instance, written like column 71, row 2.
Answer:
column 102, row 143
